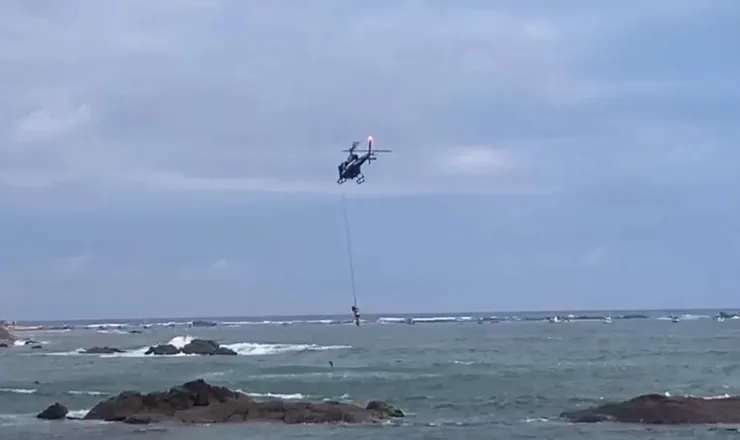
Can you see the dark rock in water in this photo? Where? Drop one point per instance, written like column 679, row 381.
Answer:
column 56, row 411
column 225, row 351
column 36, row 347
column 198, row 402
column 134, row 331
column 634, row 316
column 102, row 350
column 3, row 345
column 163, row 349
column 659, row 409
column 203, row 324
column 204, row 347
column 30, row 342
column 384, row 408
column 138, row 420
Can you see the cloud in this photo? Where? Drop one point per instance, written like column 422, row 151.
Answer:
column 51, row 124
column 477, row 160
column 74, row 265
column 223, row 269
column 596, row 256
column 186, row 97
column 535, row 142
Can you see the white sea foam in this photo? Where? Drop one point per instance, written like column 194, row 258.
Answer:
column 293, row 396
column 35, row 390
column 87, row 393
column 719, row 396
column 18, row 390
column 28, row 342
column 78, row 413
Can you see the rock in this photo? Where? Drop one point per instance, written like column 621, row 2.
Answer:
column 201, row 323
column 384, row 408
column 5, row 334
column 138, row 420
column 134, row 331
column 198, row 402
column 225, row 351
column 3, row 345
column 206, row 347
column 163, row 349
column 203, row 347
column 36, row 347
column 200, row 346
column 56, row 411
column 30, row 342
column 102, row 350
column 659, row 409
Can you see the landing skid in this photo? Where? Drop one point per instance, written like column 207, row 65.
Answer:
column 360, row 179
column 341, row 180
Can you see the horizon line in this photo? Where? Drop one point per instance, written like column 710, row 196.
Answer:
column 390, row 314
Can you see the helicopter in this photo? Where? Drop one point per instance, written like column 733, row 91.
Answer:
column 351, row 168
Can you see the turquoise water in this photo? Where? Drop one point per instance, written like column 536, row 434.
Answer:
column 455, row 378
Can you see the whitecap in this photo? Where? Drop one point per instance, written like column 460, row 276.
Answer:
column 78, row 413
column 291, row 396
column 87, row 393
column 18, row 390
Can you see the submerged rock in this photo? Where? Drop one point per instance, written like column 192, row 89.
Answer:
column 56, row 411
column 102, row 350
column 163, row 349
column 198, row 402
column 659, row 409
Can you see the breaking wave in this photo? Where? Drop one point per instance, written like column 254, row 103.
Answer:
column 35, row 391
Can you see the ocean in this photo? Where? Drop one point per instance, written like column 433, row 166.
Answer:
column 456, row 377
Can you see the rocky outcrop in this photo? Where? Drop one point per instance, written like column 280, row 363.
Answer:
column 204, row 347
column 102, row 350
column 198, row 402
column 56, row 411
column 659, row 409
column 5, row 334
column 163, row 349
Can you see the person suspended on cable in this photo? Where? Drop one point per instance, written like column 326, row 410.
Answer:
column 356, row 315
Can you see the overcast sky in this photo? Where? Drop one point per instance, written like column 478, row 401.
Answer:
column 178, row 157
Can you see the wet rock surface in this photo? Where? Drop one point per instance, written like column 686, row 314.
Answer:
column 57, row 411
column 6, row 335
column 102, row 350
column 204, row 347
column 198, row 402
column 660, row 409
